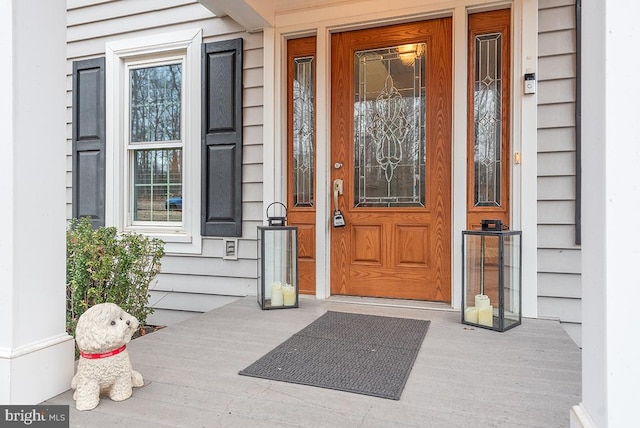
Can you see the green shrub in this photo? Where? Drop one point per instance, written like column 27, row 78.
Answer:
column 106, row 266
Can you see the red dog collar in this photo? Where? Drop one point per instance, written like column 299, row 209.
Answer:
column 103, row 355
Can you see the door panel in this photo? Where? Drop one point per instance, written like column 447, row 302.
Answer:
column 412, row 245
column 391, row 143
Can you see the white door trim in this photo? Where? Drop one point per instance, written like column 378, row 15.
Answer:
column 524, row 132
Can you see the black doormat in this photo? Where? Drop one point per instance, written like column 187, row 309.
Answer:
column 364, row 354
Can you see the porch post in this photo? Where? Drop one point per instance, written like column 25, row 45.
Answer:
column 611, row 202
column 36, row 355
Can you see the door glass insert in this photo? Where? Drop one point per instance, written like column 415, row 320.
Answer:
column 389, row 127
column 303, row 130
column 487, row 121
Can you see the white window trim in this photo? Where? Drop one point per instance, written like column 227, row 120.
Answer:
column 186, row 239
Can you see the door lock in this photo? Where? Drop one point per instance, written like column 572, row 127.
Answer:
column 338, row 187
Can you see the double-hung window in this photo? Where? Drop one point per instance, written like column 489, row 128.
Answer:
column 154, row 143
column 153, row 126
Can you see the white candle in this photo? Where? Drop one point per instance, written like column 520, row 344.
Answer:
column 276, row 294
column 289, row 292
column 485, row 316
column 482, row 301
column 471, row 314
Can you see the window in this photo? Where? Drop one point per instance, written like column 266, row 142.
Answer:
column 153, row 127
column 301, row 150
column 303, row 157
column 154, row 144
column 390, row 142
column 488, row 127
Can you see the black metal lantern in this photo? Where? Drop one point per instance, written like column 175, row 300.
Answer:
column 277, row 263
column 492, row 277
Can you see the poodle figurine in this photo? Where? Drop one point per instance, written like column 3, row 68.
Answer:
column 102, row 334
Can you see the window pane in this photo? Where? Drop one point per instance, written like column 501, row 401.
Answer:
column 303, row 122
column 156, row 103
column 157, row 185
column 487, row 121
column 389, row 127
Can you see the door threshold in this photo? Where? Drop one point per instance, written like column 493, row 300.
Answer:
column 392, row 303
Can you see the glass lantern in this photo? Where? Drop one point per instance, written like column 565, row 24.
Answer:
column 492, row 278
column 277, row 265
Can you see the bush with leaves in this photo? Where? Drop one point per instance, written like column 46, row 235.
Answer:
column 106, row 266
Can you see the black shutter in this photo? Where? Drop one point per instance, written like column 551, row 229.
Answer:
column 88, row 168
column 222, row 138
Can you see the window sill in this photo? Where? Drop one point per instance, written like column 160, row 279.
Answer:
column 174, row 243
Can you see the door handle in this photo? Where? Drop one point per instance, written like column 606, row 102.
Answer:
column 338, row 218
column 337, row 191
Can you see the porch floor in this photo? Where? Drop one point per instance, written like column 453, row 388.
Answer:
column 529, row 376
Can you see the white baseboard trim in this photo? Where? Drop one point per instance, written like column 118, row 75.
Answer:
column 39, row 374
column 580, row 418
column 19, row 351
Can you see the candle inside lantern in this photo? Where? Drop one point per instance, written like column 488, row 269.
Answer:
column 276, row 294
column 471, row 314
column 289, row 293
column 482, row 301
column 485, row 316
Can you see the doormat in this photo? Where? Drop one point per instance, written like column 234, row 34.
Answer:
column 363, row 354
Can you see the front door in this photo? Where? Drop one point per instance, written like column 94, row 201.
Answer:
column 391, row 161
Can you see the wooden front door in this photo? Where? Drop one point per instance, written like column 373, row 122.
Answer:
column 391, row 149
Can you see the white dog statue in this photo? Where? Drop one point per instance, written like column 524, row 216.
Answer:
column 102, row 334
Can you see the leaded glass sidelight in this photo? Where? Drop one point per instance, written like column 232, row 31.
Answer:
column 303, row 132
column 488, row 121
column 389, row 127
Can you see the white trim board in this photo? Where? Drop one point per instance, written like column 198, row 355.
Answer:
column 187, row 42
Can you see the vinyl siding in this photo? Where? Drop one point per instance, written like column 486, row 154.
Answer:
column 559, row 259
column 194, row 283
column 190, row 284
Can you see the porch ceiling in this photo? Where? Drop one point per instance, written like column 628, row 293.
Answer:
column 251, row 14
column 256, row 14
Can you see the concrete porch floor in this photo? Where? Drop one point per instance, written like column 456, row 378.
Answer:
column 529, row 376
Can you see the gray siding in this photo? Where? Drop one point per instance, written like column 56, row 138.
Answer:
column 195, row 283
column 559, row 259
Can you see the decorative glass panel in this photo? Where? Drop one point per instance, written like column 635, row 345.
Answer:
column 487, row 121
column 156, row 103
column 303, row 132
column 389, row 127
column 157, row 185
